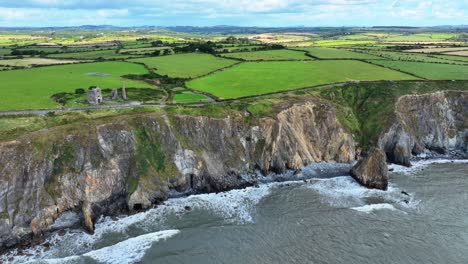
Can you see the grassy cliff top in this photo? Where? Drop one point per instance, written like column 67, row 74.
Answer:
column 365, row 109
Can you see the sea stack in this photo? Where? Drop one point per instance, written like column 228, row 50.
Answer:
column 372, row 170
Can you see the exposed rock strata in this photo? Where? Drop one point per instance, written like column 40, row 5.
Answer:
column 136, row 161
column 372, row 170
column 132, row 162
column 432, row 124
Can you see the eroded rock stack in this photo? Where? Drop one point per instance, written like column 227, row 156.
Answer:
column 372, row 170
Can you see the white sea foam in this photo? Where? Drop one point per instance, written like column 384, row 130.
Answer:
column 126, row 252
column 345, row 192
column 235, row 206
column 372, row 207
column 421, row 164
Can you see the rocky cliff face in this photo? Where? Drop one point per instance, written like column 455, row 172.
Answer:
column 433, row 124
column 132, row 162
column 372, row 170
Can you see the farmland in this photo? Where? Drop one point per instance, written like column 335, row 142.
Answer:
column 92, row 55
column 255, row 78
column 407, row 56
column 189, row 97
column 175, row 65
column 34, row 61
column 330, row 53
column 437, row 50
column 269, row 55
column 431, row 71
column 185, row 65
column 458, row 53
column 34, row 92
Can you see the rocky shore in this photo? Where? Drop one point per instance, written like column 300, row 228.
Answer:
column 124, row 164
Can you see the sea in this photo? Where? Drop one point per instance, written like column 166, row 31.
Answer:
column 421, row 218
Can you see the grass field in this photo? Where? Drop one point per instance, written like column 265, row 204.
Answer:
column 188, row 65
column 437, row 50
column 255, row 78
column 189, row 97
column 338, row 42
column 92, row 55
column 431, row 71
column 32, row 88
column 4, row 51
column 269, row 55
column 452, row 58
column 330, row 53
column 34, row 61
column 406, row 56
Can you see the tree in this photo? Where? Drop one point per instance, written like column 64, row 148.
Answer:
column 157, row 43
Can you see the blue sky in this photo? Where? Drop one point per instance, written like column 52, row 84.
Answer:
column 233, row 12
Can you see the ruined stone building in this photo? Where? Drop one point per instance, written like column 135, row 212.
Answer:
column 94, row 96
column 124, row 92
column 114, row 94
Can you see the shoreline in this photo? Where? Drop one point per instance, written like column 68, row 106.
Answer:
column 323, row 170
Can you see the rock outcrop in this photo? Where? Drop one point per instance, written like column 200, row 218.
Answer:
column 124, row 163
column 372, row 170
column 131, row 162
column 432, row 124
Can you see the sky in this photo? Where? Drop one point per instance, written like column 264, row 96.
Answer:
column 263, row 13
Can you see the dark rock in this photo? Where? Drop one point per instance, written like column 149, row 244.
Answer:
column 372, row 170
column 188, row 208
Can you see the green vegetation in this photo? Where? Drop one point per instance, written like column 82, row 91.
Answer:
column 93, row 55
column 366, row 109
column 188, row 65
column 189, row 97
column 143, row 95
column 34, row 61
column 32, row 88
column 330, row 53
column 267, row 55
column 407, row 56
column 452, row 58
column 431, row 71
column 338, row 42
column 151, row 161
column 256, row 78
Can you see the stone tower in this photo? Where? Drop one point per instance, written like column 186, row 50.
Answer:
column 94, row 95
column 124, row 92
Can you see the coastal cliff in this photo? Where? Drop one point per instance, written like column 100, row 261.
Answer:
column 120, row 164
column 124, row 163
column 430, row 124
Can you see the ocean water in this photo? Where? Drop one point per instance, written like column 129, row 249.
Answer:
column 422, row 218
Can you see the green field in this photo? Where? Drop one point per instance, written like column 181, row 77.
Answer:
column 269, row 55
column 338, row 42
column 431, row 71
column 452, row 58
column 189, row 97
column 330, row 53
column 188, row 65
column 253, row 78
column 32, row 88
column 92, row 55
column 408, row 56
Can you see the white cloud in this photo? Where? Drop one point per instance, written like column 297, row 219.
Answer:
column 236, row 12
